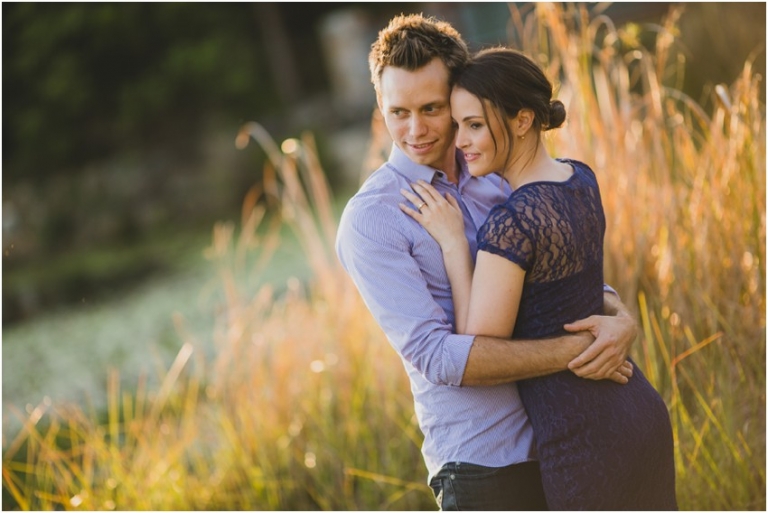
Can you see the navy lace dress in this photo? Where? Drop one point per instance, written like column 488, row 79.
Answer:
column 601, row 445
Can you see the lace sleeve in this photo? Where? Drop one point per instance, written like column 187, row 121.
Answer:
column 507, row 234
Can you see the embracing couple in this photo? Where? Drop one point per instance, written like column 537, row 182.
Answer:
column 481, row 258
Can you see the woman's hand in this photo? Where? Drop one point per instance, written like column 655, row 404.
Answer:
column 440, row 216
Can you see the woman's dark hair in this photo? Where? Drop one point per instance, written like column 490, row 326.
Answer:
column 511, row 81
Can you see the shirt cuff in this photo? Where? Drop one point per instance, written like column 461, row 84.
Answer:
column 456, row 353
column 608, row 288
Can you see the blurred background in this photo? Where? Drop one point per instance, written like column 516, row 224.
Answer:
column 119, row 155
column 119, row 119
column 119, row 122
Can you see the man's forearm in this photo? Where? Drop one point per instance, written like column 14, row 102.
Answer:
column 493, row 361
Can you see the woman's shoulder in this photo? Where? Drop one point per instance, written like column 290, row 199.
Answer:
column 579, row 167
column 516, row 207
column 574, row 162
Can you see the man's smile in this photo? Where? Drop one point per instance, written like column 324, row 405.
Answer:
column 422, row 147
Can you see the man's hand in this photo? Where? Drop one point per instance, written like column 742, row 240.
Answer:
column 622, row 374
column 586, row 339
column 604, row 358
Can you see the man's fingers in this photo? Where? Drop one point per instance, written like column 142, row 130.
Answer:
column 599, row 367
column 623, row 373
column 594, row 370
column 584, row 358
column 601, row 352
column 604, row 369
column 580, row 325
column 626, row 369
column 619, row 378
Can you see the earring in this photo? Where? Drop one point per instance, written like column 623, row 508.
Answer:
column 522, row 137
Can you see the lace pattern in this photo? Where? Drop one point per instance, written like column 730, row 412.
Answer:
column 601, row 445
column 551, row 229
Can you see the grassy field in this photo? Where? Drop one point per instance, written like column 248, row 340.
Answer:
column 64, row 355
column 304, row 406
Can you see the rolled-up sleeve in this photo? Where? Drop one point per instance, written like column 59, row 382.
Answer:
column 375, row 248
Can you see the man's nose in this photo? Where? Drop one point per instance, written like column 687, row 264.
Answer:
column 418, row 126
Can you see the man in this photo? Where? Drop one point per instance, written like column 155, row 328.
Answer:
column 478, row 444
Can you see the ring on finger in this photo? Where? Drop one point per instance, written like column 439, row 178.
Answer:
column 421, row 206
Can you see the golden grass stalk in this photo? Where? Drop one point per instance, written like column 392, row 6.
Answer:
column 684, row 194
column 303, row 404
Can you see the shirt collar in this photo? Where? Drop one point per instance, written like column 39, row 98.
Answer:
column 413, row 172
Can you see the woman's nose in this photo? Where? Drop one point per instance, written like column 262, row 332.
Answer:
column 461, row 140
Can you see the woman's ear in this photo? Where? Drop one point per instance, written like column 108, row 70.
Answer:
column 523, row 122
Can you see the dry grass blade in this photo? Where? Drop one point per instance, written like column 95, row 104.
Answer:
column 303, row 405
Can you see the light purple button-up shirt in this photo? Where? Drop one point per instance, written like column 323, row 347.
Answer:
column 398, row 269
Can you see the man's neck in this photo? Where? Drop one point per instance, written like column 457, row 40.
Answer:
column 451, row 167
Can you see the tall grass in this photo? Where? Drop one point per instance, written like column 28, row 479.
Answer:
column 303, row 405
column 684, row 194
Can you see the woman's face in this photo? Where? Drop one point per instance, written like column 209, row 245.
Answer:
column 474, row 133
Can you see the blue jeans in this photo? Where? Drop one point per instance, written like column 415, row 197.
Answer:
column 465, row 486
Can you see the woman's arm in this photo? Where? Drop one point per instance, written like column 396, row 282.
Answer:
column 459, row 267
column 497, row 285
column 492, row 359
column 442, row 218
column 486, row 301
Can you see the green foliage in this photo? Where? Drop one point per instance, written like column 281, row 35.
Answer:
column 305, row 406
column 81, row 81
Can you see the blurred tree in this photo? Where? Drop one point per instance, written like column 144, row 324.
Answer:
column 83, row 80
column 718, row 37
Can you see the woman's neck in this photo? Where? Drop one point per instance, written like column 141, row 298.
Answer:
column 529, row 162
column 533, row 164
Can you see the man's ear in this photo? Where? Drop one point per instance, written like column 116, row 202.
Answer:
column 523, row 122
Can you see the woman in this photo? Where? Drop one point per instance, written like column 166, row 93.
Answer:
column 539, row 266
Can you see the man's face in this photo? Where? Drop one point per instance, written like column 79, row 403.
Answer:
column 416, row 110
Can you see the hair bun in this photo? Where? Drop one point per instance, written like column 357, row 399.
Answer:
column 556, row 114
